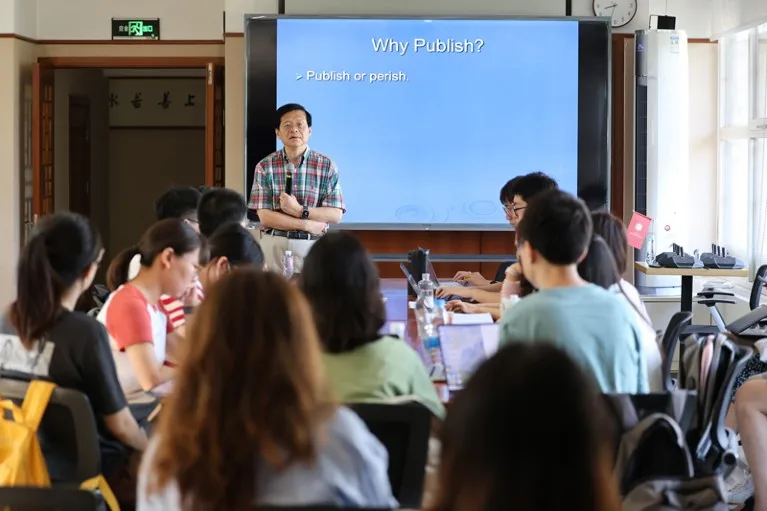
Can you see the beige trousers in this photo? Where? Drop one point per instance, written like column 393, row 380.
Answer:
column 274, row 248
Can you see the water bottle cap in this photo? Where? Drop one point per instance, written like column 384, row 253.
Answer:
column 426, row 276
column 288, row 252
column 440, row 302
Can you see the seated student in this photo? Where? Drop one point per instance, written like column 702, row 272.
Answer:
column 179, row 202
column 598, row 267
column 528, row 417
column 230, row 247
column 250, row 421
column 220, row 206
column 612, row 230
column 592, row 324
column 514, row 197
column 341, row 283
column 43, row 336
column 139, row 332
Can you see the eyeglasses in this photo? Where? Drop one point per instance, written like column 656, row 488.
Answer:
column 510, row 209
column 288, row 126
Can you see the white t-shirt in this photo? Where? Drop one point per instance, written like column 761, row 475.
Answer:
column 650, row 348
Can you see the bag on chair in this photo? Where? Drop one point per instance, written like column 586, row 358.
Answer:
column 21, row 459
column 655, row 471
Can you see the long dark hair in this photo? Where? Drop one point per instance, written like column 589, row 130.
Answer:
column 341, row 282
column 234, row 242
column 598, row 267
column 251, row 387
column 169, row 233
column 62, row 248
column 492, row 459
column 612, row 230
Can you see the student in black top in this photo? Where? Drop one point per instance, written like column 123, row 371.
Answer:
column 42, row 335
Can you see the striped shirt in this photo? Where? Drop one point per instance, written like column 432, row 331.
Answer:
column 315, row 182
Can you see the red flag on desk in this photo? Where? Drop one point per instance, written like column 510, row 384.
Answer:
column 638, row 229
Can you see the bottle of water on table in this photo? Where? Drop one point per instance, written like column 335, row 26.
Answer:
column 431, row 340
column 287, row 264
column 426, row 291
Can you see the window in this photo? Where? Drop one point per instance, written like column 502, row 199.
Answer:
column 742, row 208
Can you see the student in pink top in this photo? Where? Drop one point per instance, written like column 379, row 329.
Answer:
column 140, row 333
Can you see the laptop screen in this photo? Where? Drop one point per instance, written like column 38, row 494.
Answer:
column 464, row 348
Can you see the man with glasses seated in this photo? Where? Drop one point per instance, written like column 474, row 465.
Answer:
column 514, row 197
column 294, row 219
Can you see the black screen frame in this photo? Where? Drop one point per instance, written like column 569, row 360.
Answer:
column 594, row 105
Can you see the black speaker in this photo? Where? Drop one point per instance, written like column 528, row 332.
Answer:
column 666, row 22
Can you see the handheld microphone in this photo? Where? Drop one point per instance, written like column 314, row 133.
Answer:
column 289, row 179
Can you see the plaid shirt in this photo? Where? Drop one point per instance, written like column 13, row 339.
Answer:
column 315, row 182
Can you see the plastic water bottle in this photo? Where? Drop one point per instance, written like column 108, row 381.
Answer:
column 650, row 256
column 287, row 264
column 426, row 291
column 431, row 340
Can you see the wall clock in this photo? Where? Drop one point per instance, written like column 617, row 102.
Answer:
column 620, row 11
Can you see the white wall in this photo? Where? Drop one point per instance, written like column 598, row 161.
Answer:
column 7, row 20
column 91, row 19
column 692, row 16
column 729, row 16
column 236, row 9
column 25, row 18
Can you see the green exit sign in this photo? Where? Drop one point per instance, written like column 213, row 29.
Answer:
column 131, row 28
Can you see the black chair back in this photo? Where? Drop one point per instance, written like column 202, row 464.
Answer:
column 500, row 275
column 68, row 435
column 47, row 499
column 668, row 344
column 760, row 280
column 402, row 428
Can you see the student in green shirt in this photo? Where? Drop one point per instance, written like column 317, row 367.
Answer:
column 593, row 325
column 341, row 282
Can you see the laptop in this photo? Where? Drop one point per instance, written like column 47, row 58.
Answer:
column 464, row 348
column 433, row 274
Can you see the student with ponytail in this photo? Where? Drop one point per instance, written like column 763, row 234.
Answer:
column 42, row 335
column 139, row 331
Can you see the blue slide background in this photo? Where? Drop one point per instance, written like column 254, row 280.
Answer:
column 437, row 148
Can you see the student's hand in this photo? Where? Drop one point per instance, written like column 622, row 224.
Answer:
column 190, row 298
column 290, row 206
column 461, row 307
column 445, row 291
column 514, row 272
column 471, row 277
column 314, row 227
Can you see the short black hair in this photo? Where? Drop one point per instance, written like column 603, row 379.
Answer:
column 179, row 202
column 237, row 244
column 220, row 206
column 291, row 107
column 341, row 283
column 557, row 225
column 527, row 186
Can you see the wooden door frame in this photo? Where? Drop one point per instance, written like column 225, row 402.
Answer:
column 50, row 64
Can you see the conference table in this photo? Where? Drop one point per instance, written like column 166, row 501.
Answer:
column 401, row 319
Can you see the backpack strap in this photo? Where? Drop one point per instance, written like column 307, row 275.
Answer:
column 100, row 484
column 35, row 402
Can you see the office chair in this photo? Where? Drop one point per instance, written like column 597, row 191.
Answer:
column 47, row 499
column 403, row 428
column 500, row 275
column 669, row 343
column 68, row 435
column 709, row 298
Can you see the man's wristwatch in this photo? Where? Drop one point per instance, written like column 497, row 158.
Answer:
column 305, row 213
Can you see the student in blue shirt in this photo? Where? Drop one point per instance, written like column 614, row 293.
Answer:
column 593, row 325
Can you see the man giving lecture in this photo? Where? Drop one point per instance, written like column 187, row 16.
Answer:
column 294, row 219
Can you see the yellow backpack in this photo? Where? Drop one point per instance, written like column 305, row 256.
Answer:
column 21, row 459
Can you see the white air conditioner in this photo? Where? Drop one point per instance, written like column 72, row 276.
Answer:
column 662, row 147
